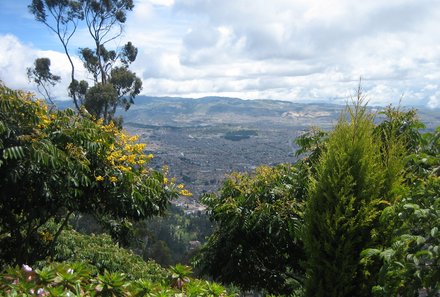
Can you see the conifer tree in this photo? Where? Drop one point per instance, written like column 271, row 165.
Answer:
column 351, row 187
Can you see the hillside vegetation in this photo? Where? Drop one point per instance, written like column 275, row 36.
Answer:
column 357, row 214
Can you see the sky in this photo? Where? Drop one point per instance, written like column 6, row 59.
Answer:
column 295, row 50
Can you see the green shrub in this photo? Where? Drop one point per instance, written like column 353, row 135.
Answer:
column 102, row 254
column 357, row 176
column 54, row 163
column 257, row 240
column 77, row 279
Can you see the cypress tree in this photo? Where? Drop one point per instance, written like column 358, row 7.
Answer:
column 351, row 187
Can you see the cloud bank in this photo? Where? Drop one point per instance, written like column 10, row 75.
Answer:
column 291, row 50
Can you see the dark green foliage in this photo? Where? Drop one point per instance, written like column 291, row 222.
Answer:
column 102, row 254
column 402, row 125
column 95, row 266
column 56, row 163
column 104, row 20
column 78, row 90
column 127, row 85
column 167, row 239
column 256, row 243
column 346, row 199
column 411, row 260
column 99, row 97
column 68, row 9
column 129, row 54
column 312, row 144
column 160, row 252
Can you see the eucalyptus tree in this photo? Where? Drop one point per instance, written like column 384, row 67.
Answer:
column 109, row 69
column 62, row 18
column 41, row 75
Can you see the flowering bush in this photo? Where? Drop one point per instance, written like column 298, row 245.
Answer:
column 55, row 163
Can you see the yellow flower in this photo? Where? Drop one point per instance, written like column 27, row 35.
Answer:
column 122, row 159
column 133, row 138
column 113, row 179
column 99, row 178
column 185, row 192
column 180, row 186
column 165, row 180
column 150, row 156
column 46, row 236
column 139, row 147
column 131, row 159
column 123, row 168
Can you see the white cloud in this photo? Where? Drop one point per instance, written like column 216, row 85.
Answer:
column 144, row 10
column 434, row 100
column 284, row 49
column 328, row 45
column 16, row 57
column 162, row 2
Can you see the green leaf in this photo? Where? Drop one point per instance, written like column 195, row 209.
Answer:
column 14, row 152
column 434, row 231
column 424, row 253
column 368, row 253
column 411, row 206
column 420, row 240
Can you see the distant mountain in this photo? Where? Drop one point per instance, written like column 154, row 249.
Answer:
column 212, row 110
column 209, row 110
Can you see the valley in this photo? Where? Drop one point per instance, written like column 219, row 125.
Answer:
column 202, row 140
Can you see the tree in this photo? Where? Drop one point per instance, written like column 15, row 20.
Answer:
column 410, row 261
column 55, row 163
column 62, row 18
column 347, row 195
column 40, row 74
column 118, row 82
column 109, row 68
column 256, row 243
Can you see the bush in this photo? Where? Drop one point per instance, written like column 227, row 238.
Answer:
column 55, row 163
column 76, row 279
column 257, row 241
column 102, row 254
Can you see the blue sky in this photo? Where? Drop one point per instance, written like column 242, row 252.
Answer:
column 296, row 50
